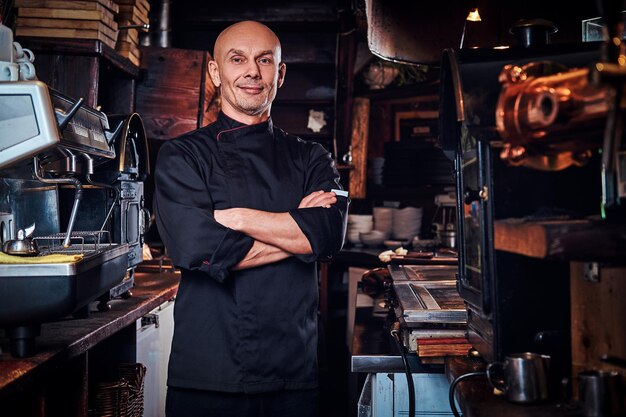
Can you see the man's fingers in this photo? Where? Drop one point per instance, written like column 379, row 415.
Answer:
column 306, row 201
column 324, row 199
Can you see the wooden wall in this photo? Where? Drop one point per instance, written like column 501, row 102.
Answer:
column 598, row 319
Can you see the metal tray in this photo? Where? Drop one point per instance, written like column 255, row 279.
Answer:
column 423, row 272
column 421, row 302
column 35, row 293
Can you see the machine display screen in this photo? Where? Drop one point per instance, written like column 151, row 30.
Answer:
column 28, row 123
column 18, row 121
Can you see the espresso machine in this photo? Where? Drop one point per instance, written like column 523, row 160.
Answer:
column 71, row 208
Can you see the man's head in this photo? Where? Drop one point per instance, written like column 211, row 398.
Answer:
column 247, row 68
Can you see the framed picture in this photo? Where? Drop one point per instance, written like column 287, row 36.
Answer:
column 415, row 124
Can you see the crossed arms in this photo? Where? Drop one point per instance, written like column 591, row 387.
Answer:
column 276, row 235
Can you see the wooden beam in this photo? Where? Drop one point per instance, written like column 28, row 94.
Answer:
column 580, row 240
column 598, row 312
column 360, row 134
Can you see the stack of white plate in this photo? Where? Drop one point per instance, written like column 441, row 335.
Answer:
column 358, row 223
column 407, row 223
column 383, row 219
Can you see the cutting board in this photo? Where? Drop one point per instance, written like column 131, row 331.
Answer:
column 105, row 16
column 133, row 14
column 142, row 4
column 68, row 4
column 66, row 33
column 68, row 24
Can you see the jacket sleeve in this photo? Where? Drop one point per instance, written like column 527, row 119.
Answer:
column 184, row 215
column 325, row 228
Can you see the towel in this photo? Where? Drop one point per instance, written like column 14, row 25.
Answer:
column 55, row 258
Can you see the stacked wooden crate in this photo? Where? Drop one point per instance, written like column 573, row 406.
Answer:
column 131, row 13
column 84, row 19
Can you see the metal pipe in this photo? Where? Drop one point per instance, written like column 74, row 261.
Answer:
column 115, row 201
column 77, row 197
column 164, row 31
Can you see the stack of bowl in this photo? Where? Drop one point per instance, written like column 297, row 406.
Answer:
column 358, row 223
column 383, row 219
column 374, row 238
column 407, row 223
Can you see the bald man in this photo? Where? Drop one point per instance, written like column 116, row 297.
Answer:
column 245, row 211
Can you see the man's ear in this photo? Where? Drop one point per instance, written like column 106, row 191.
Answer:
column 215, row 73
column 282, row 70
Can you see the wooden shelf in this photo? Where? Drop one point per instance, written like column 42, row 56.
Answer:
column 576, row 240
column 89, row 47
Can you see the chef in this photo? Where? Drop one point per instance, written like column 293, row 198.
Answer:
column 245, row 210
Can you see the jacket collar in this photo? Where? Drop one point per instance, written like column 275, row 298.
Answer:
column 234, row 129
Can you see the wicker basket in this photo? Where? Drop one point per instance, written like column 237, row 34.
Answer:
column 121, row 398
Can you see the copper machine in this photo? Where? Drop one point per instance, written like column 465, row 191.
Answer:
column 536, row 133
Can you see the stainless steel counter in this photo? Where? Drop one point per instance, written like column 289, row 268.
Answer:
column 373, row 348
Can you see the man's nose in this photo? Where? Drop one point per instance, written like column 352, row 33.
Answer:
column 253, row 70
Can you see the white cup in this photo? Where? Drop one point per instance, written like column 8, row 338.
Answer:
column 9, row 71
column 22, row 54
column 27, row 71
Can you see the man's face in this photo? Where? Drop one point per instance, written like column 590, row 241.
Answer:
column 248, row 71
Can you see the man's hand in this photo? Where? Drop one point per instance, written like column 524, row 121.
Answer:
column 231, row 218
column 275, row 229
column 228, row 218
column 318, row 199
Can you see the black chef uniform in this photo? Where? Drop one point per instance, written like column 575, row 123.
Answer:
column 252, row 330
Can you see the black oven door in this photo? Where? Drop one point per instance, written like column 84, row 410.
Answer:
column 475, row 270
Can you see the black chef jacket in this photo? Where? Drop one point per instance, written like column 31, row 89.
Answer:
column 253, row 330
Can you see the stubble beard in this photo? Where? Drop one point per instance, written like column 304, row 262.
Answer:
column 252, row 107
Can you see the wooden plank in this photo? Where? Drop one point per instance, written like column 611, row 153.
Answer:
column 142, row 4
column 128, row 35
column 66, row 33
column 132, row 19
column 443, row 347
column 127, row 46
column 360, row 133
column 104, row 16
column 70, row 4
column 598, row 312
column 132, row 56
column 583, row 240
column 171, row 104
column 133, row 13
column 67, row 24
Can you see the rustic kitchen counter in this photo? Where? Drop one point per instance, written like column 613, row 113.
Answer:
column 67, row 348
column 476, row 398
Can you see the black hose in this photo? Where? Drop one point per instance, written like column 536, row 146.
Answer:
column 453, row 387
column 407, row 368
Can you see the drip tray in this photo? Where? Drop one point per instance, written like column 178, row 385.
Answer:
column 424, row 302
column 35, row 293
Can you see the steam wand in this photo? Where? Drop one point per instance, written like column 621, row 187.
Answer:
column 77, row 197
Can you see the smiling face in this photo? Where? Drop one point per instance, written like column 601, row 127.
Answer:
column 246, row 67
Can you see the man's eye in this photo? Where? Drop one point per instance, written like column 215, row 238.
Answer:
column 236, row 60
column 265, row 60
